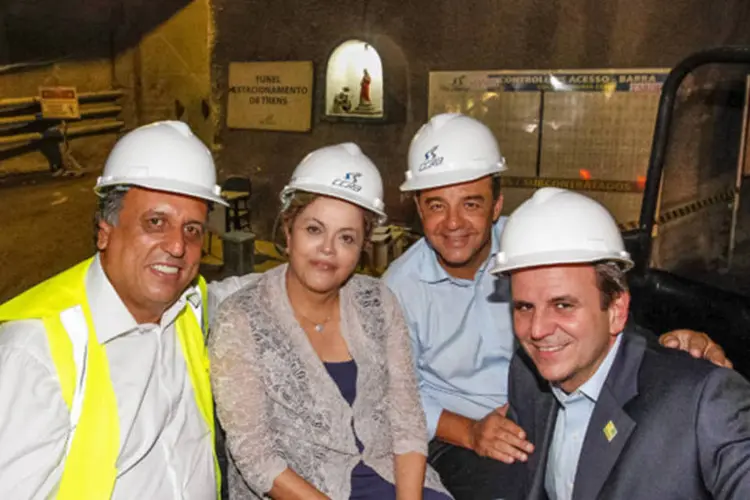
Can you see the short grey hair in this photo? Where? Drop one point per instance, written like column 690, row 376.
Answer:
column 108, row 207
column 611, row 281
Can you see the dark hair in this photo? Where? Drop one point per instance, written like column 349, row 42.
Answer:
column 497, row 185
column 611, row 282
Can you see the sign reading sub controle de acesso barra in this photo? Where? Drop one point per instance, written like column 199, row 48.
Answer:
column 270, row 95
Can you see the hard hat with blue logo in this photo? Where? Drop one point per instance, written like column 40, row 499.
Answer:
column 341, row 171
column 450, row 149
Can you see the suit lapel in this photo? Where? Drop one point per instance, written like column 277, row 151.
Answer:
column 599, row 454
column 545, row 415
column 610, row 427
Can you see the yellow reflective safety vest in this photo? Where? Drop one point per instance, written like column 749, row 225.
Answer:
column 83, row 369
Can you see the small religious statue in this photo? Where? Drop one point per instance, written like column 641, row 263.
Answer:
column 365, row 105
column 342, row 102
column 364, row 87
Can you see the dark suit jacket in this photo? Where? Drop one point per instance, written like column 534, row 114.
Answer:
column 683, row 428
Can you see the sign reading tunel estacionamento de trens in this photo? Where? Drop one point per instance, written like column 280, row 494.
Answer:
column 270, row 95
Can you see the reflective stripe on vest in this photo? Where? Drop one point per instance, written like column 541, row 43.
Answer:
column 83, row 369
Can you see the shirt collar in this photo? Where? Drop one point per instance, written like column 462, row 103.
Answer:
column 593, row 386
column 109, row 314
column 432, row 272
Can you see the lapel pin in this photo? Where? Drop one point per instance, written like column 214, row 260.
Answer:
column 610, row 431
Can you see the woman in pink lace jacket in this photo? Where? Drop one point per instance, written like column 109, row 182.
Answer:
column 311, row 365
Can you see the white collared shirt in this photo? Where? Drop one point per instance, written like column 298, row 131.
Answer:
column 165, row 445
column 572, row 422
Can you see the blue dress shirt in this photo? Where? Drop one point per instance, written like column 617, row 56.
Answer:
column 570, row 429
column 461, row 332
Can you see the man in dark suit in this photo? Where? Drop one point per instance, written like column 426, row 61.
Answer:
column 611, row 414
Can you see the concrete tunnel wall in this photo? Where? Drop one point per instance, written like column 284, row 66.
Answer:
column 416, row 37
column 157, row 53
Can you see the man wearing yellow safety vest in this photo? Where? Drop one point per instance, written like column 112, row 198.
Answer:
column 104, row 378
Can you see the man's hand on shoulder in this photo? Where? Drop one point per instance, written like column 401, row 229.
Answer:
column 698, row 344
column 499, row 438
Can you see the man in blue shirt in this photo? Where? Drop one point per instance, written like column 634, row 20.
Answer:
column 459, row 315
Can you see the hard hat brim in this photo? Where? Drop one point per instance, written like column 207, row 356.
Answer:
column 166, row 185
column 560, row 258
column 334, row 193
column 450, row 178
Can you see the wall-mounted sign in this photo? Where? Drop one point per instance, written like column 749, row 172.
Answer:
column 574, row 184
column 586, row 130
column 60, row 103
column 270, row 95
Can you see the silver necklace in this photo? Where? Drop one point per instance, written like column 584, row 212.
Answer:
column 319, row 327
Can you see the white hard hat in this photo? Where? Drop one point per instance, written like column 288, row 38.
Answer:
column 449, row 149
column 341, row 171
column 165, row 156
column 557, row 226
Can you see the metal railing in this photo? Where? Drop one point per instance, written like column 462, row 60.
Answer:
column 23, row 128
column 660, row 143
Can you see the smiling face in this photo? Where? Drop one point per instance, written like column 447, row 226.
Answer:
column 457, row 221
column 559, row 320
column 324, row 243
column 153, row 252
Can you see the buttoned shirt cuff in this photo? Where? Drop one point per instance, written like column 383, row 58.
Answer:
column 432, row 411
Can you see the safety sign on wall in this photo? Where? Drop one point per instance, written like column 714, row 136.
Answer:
column 270, row 95
column 59, row 103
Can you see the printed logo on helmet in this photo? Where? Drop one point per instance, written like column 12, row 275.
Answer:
column 349, row 181
column 431, row 159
